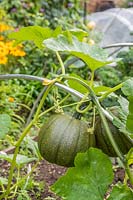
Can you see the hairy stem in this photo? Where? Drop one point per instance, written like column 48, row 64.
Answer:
column 61, row 62
column 35, row 105
column 92, row 78
column 117, row 87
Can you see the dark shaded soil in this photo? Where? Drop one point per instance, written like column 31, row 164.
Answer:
column 45, row 172
column 49, row 173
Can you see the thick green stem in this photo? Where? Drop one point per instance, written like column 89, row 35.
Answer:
column 117, row 87
column 108, row 132
column 42, row 101
column 61, row 63
column 25, row 132
column 92, row 78
column 15, row 191
column 73, row 104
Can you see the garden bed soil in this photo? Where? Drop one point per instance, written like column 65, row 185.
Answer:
column 49, row 173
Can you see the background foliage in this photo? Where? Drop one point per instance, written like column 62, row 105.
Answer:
column 18, row 97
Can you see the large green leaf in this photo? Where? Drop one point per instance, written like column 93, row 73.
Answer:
column 5, row 123
column 37, row 34
column 121, row 192
column 127, row 87
column 93, row 56
column 129, row 157
column 79, row 33
column 89, row 179
column 124, row 103
column 127, row 90
column 34, row 33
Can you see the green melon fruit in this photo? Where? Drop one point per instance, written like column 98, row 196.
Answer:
column 62, row 137
column 102, row 142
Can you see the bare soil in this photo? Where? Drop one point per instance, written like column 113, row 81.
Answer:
column 49, row 173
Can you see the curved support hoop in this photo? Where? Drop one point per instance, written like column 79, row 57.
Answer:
column 118, row 45
column 40, row 79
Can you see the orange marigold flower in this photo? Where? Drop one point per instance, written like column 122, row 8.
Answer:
column 3, row 51
column 3, row 59
column 4, row 27
column 2, row 44
column 9, row 44
column 22, row 53
column 1, row 38
column 11, row 99
column 17, row 52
